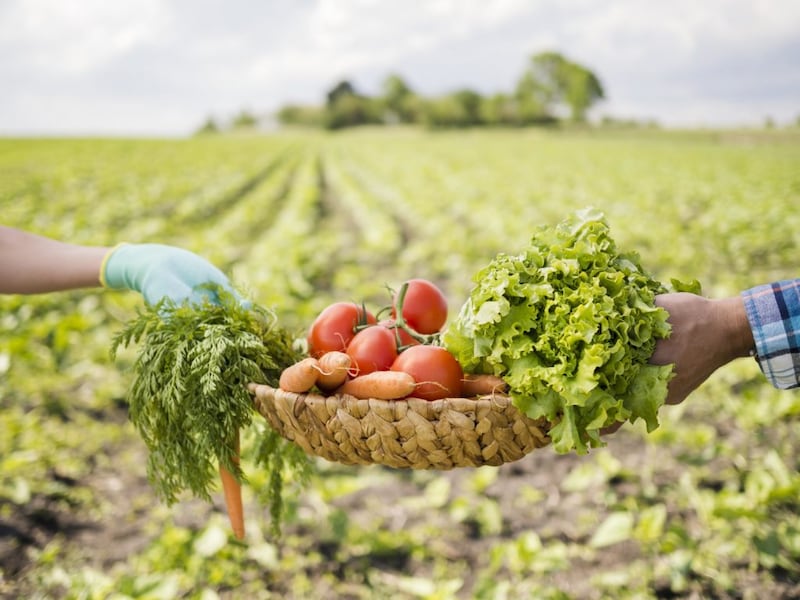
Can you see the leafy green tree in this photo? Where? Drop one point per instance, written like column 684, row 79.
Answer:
column 551, row 81
column 470, row 103
column 245, row 120
column 440, row 112
column 548, row 70
column 498, row 110
column 459, row 109
column 346, row 108
column 399, row 100
column 210, row 127
column 343, row 89
column 297, row 114
column 351, row 110
column 583, row 90
column 532, row 95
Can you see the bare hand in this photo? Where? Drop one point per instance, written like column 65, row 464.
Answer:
column 706, row 334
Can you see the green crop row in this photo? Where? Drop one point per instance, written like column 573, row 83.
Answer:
column 705, row 506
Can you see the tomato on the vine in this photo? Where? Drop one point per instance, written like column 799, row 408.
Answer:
column 437, row 372
column 335, row 327
column 401, row 335
column 372, row 349
column 424, row 306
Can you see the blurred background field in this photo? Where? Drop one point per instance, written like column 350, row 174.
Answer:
column 320, row 151
column 706, row 506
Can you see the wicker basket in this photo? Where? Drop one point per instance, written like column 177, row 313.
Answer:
column 410, row 433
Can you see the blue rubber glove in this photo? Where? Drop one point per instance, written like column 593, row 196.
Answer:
column 157, row 271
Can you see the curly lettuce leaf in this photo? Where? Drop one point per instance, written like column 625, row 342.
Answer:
column 570, row 324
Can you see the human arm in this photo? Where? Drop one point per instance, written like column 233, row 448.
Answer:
column 773, row 311
column 32, row 264
column 158, row 271
column 763, row 321
column 706, row 334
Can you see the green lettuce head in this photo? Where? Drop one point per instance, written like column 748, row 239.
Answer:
column 570, row 325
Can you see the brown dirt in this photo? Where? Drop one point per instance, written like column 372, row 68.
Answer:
column 119, row 530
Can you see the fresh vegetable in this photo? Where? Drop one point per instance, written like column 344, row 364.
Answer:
column 282, row 461
column 402, row 337
column 334, row 367
column 232, row 491
column 419, row 310
column 335, row 326
column 435, row 370
column 482, row 384
column 569, row 324
column 189, row 398
column 383, row 385
column 301, row 376
column 424, row 306
column 372, row 349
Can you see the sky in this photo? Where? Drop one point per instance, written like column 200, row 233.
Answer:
column 162, row 67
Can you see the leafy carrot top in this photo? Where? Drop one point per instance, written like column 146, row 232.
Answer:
column 189, row 399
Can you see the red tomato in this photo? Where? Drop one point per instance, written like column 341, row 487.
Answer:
column 335, row 326
column 437, row 372
column 405, row 338
column 424, row 306
column 372, row 349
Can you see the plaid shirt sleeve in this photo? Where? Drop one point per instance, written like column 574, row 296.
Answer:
column 773, row 310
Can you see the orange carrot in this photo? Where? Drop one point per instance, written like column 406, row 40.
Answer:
column 482, row 384
column 300, row 377
column 383, row 385
column 232, row 491
column 333, row 370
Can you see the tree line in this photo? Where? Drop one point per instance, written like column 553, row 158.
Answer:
column 551, row 87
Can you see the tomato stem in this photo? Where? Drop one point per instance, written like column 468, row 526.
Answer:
column 400, row 322
column 363, row 321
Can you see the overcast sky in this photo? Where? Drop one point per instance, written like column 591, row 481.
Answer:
column 143, row 67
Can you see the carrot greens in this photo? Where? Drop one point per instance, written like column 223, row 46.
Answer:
column 189, row 399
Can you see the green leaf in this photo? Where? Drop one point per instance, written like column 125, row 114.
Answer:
column 692, row 287
column 617, row 528
column 265, row 554
column 211, row 541
column 651, row 523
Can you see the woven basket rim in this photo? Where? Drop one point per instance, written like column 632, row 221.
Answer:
column 406, row 433
column 266, row 390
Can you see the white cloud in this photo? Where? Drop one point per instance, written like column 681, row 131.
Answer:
column 70, row 38
column 126, row 66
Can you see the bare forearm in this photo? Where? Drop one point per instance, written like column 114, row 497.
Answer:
column 733, row 317
column 32, row 264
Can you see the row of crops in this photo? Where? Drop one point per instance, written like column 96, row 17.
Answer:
column 705, row 505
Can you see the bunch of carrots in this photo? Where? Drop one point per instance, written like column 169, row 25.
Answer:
column 334, row 373
column 189, row 401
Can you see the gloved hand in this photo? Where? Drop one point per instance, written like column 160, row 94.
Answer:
column 157, row 271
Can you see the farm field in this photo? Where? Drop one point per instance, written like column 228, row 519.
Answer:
column 707, row 506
